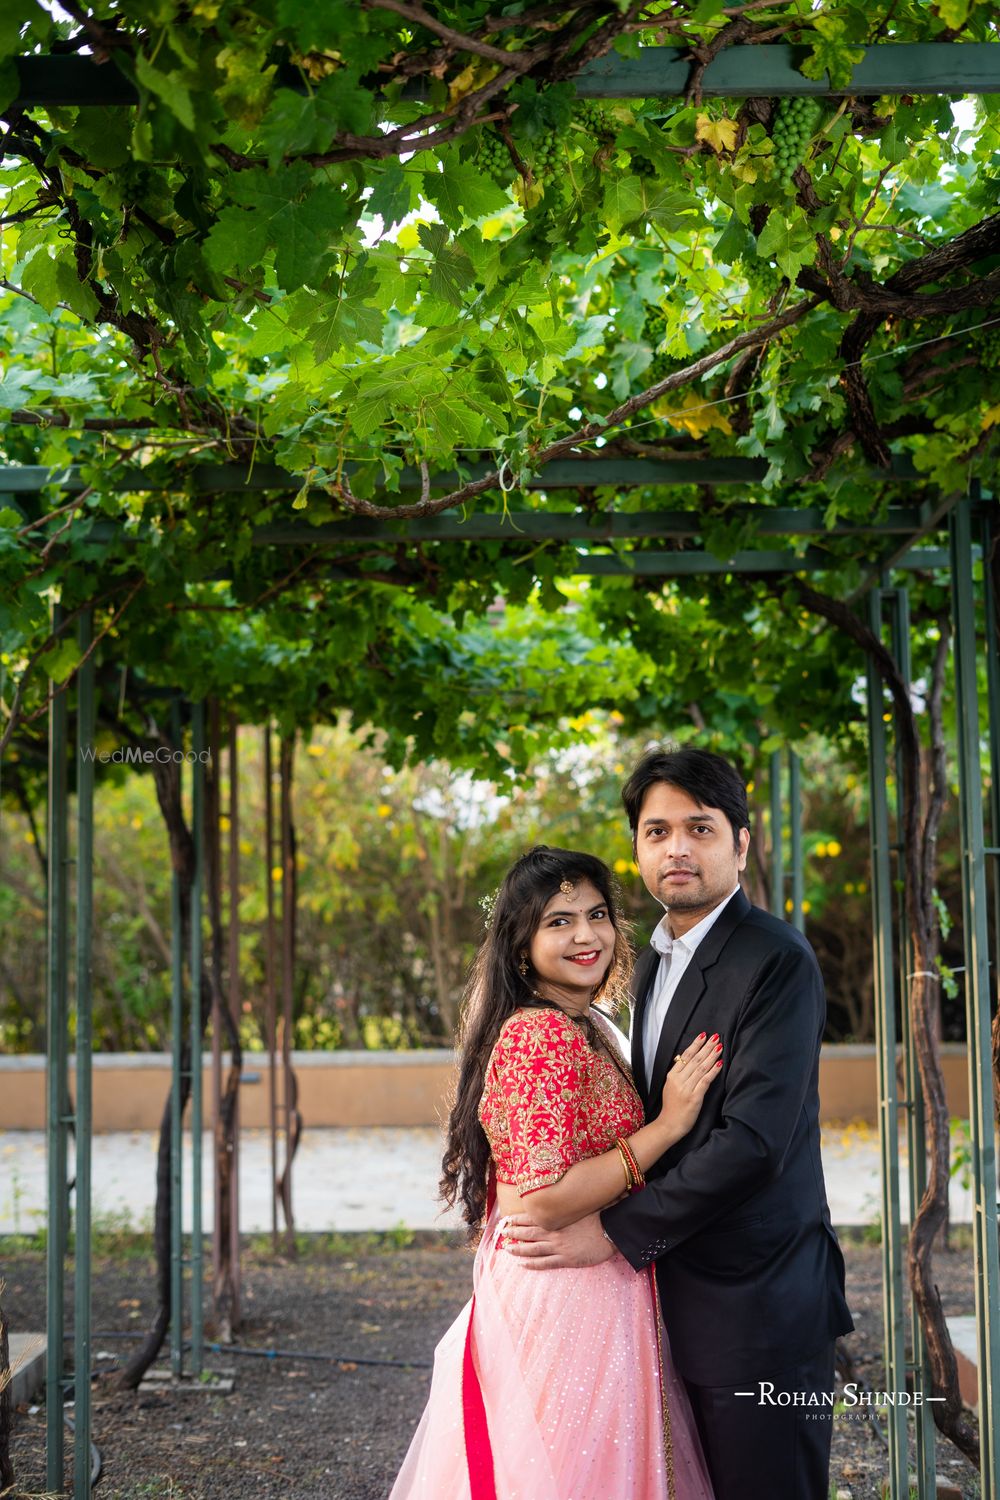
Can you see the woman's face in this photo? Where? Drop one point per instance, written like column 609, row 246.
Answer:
column 573, row 946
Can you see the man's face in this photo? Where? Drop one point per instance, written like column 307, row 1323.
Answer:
column 686, row 854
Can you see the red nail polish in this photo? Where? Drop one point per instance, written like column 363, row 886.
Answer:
column 715, row 1036
column 719, row 1063
column 719, row 1047
column 701, row 1036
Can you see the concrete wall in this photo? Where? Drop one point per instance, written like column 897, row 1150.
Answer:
column 375, row 1088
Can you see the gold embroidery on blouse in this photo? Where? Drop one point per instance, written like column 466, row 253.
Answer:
column 550, row 1099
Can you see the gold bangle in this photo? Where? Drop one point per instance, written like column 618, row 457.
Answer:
column 638, row 1176
column 627, row 1165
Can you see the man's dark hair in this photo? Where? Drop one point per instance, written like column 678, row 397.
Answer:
column 708, row 780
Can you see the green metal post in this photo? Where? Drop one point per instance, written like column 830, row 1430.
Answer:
column 885, row 1050
column 57, row 1082
column 992, row 631
column 198, row 829
column 795, row 824
column 777, row 839
column 84, row 1049
column 913, row 1101
column 176, row 1109
column 977, row 995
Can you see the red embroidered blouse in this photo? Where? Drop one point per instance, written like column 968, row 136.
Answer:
column 550, row 1100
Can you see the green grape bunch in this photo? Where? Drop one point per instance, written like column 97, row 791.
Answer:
column 654, row 326
column 546, row 156
column 494, row 158
column 654, row 331
column 766, row 279
column 793, row 126
column 589, row 114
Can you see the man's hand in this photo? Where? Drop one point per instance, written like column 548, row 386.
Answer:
column 581, row 1244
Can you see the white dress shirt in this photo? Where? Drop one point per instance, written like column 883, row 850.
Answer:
column 675, row 955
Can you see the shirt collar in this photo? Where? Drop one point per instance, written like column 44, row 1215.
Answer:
column 664, row 943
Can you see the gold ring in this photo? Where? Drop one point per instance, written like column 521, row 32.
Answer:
column 677, row 1057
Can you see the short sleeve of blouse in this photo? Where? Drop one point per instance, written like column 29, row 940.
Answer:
column 540, row 1065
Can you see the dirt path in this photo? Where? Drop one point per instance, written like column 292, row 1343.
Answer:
column 337, row 1429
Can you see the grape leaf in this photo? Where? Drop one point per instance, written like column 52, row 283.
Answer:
column 462, row 192
column 392, row 195
column 451, row 268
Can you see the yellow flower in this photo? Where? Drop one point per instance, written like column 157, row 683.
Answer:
column 224, row 824
column 833, row 848
column 384, row 810
column 136, row 821
column 619, row 767
column 29, row 837
column 821, row 850
column 806, row 906
column 277, row 873
column 849, row 888
column 634, row 868
column 789, row 905
column 315, row 750
column 621, row 866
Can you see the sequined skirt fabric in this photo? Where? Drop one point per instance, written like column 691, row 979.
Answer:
column 569, row 1368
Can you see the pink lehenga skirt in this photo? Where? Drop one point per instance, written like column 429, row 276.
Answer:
column 548, row 1387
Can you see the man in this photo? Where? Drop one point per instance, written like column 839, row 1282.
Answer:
column 750, row 1274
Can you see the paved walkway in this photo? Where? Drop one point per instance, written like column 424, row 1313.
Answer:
column 354, row 1180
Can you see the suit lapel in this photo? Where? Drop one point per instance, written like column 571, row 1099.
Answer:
column 641, row 985
column 691, row 989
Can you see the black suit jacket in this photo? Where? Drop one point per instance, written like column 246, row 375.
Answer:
column 735, row 1215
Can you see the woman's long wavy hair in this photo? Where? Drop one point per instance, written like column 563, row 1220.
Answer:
column 496, row 989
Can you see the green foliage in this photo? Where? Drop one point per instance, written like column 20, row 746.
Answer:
column 394, row 865
column 326, row 240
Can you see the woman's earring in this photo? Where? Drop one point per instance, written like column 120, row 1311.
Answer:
column 522, row 967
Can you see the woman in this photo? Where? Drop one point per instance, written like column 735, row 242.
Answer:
column 551, row 1386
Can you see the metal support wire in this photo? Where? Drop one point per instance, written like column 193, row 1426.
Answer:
column 82, row 1467
column 57, row 1082
column 977, row 993
column 885, row 1054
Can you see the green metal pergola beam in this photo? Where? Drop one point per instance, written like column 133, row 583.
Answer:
column 562, row 474
column 695, row 562
column 900, row 68
column 675, row 525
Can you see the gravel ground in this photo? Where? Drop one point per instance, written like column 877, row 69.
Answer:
column 337, row 1429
